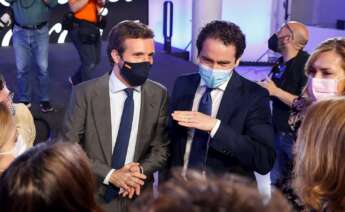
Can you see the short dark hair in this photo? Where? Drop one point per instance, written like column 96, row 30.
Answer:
column 49, row 177
column 124, row 30
column 228, row 32
column 199, row 193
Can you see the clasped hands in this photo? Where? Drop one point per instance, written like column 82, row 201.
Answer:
column 194, row 120
column 129, row 179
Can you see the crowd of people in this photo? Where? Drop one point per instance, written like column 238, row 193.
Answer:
column 209, row 142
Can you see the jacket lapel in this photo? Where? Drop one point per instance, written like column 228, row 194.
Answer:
column 231, row 97
column 102, row 116
column 146, row 108
column 186, row 103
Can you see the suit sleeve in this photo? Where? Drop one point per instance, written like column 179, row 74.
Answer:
column 254, row 146
column 157, row 157
column 73, row 128
column 75, row 116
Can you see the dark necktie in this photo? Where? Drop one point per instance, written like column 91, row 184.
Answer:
column 199, row 144
column 120, row 149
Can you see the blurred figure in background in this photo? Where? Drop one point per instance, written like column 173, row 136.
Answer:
column 30, row 42
column 326, row 71
column 286, row 83
column 23, row 118
column 11, row 143
column 198, row 193
column 49, row 177
column 319, row 166
column 85, row 36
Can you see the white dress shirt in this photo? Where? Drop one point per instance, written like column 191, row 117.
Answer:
column 117, row 99
column 216, row 95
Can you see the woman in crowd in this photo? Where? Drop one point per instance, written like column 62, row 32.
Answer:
column 11, row 143
column 23, row 118
column 197, row 193
column 49, row 177
column 319, row 151
column 326, row 71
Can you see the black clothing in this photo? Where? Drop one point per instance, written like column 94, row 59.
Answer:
column 291, row 78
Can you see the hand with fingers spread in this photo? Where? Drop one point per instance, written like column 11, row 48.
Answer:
column 129, row 179
column 195, row 120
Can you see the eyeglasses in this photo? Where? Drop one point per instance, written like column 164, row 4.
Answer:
column 290, row 30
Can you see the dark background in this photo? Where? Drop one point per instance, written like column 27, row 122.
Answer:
column 117, row 11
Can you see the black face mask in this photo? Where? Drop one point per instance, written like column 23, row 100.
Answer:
column 273, row 43
column 135, row 73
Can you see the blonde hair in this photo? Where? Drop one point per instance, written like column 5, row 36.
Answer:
column 319, row 167
column 7, row 125
column 337, row 45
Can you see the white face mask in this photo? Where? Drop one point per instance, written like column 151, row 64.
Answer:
column 18, row 148
column 323, row 88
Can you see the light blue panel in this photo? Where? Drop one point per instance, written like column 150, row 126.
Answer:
column 182, row 21
column 254, row 18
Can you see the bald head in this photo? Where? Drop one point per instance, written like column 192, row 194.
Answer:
column 300, row 34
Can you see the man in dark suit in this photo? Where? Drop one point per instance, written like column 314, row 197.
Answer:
column 220, row 122
column 120, row 118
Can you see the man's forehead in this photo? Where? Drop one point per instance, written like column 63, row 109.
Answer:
column 146, row 44
column 218, row 51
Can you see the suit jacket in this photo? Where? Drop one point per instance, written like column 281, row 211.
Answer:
column 88, row 121
column 243, row 142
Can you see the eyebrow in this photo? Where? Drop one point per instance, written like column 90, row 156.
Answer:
column 220, row 62
column 142, row 53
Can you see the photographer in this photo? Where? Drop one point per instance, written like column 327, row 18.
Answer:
column 85, row 36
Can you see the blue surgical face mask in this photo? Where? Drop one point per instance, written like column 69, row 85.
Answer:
column 214, row 77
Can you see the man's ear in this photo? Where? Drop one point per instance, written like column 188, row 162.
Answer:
column 237, row 62
column 115, row 56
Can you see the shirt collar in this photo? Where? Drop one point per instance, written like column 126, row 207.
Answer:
column 115, row 84
column 221, row 87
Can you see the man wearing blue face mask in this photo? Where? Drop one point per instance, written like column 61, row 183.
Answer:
column 220, row 122
column 120, row 118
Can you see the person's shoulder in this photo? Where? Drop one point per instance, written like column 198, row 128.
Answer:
column 304, row 53
column 155, row 85
column 93, row 84
column 188, row 76
column 251, row 86
column 21, row 109
column 303, row 56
